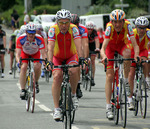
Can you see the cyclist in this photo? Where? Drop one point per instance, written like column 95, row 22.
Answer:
column 39, row 30
column 12, row 47
column 29, row 45
column 116, row 40
column 64, row 42
column 93, row 45
column 100, row 34
column 142, row 35
column 85, row 46
column 2, row 47
column 22, row 30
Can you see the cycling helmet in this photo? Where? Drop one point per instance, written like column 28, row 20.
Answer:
column 23, row 29
column 90, row 25
column 31, row 28
column 63, row 14
column 16, row 32
column 117, row 14
column 141, row 21
column 75, row 19
column 39, row 27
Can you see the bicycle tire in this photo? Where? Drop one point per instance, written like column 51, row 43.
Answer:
column 115, row 110
column 27, row 93
column 67, row 118
column 47, row 76
column 32, row 93
column 15, row 68
column 90, row 86
column 123, row 103
column 143, row 97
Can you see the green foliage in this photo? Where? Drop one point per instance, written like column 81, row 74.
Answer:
column 45, row 2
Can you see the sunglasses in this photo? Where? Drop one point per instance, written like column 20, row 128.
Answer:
column 66, row 23
column 143, row 28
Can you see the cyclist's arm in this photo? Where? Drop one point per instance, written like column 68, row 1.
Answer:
column 105, row 43
column 85, row 47
column 4, row 41
column 51, row 45
column 135, row 45
column 44, row 54
column 79, row 47
column 18, row 53
column 45, row 40
column 97, row 42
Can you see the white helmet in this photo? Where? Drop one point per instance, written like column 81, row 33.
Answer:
column 117, row 14
column 39, row 26
column 31, row 28
column 16, row 32
column 141, row 21
column 90, row 25
column 63, row 14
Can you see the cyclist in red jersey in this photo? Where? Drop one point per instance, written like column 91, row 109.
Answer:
column 93, row 46
column 29, row 45
column 142, row 35
column 116, row 40
column 85, row 45
column 64, row 41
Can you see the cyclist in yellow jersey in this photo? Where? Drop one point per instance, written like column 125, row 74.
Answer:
column 64, row 42
column 142, row 35
column 116, row 40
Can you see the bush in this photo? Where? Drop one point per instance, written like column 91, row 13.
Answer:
column 5, row 17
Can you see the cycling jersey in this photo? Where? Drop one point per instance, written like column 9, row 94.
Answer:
column 142, row 43
column 64, row 43
column 2, row 34
column 118, row 41
column 30, row 48
column 92, row 38
column 83, row 31
column 13, row 39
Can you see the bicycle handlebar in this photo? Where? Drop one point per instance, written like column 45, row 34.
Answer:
column 32, row 59
column 66, row 66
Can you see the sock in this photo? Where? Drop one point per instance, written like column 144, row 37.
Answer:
column 108, row 106
column 73, row 95
column 126, row 80
column 129, row 100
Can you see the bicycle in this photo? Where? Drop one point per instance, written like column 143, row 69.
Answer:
column 30, row 84
column 65, row 102
column 14, row 68
column 87, row 75
column 140, row 92
column 119, row 97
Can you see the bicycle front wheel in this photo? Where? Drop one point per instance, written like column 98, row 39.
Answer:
column 143, row 97
column 15, row 68
column 27, row 93
column 32, row 93
column 123, row 103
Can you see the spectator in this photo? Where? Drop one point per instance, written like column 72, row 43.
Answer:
column 26, row 18
column 14, row 20
column 44, row 11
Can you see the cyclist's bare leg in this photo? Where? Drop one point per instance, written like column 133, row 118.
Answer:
column 23, row 75
column 93, row 66
column 145, row 67
column 131, row 80
column 2, row 61
column 126, row 54
column 11, row 59
column 56, row 86
column 108, row 84
column 74, row 78
column 37, row 71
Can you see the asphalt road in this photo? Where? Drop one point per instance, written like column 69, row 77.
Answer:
column 90, row 115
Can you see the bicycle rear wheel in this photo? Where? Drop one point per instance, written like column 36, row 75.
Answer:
column 91, row 77
column 123, row 103
column 143, row 97
column 47, row 76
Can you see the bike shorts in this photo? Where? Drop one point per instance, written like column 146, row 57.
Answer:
column 58, row 61
column 143, row 53
column 1, row 48
column 36, row 56
column 110, row 51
